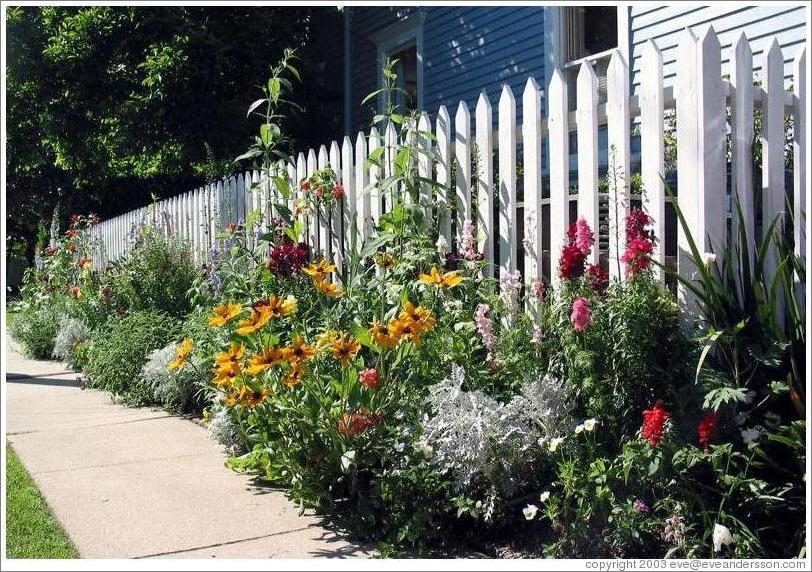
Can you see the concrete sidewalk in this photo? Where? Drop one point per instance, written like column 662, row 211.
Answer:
column 140, row 483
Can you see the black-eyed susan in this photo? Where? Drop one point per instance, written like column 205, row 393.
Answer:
column 294, row 375
column 329, row 289
column 279, row 307
column 224, row 313
column 264, row 360
column 384, row 260
column 182, row 355
column 319, row 270
column 422, row 317
column 225, row 375
column 233, row 354
column 298, row 351
column 326, row 338
column 344, row 348
column 446, row 280
column 260, row 316
column 381, row 335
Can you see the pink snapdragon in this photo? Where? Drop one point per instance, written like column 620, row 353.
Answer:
column 584, row 237
column 482, row 319
column 581, row 316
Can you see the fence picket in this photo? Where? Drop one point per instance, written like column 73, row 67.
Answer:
column 349, row 206
column 485, row 224
column 374, row 176
column 314, row 232
column 336, row 217
column 443, row 136
column 559, row 144
column 462, row 156
column 618, row 128
column 424, row 163
column 531, row 147
column 363, row 206
column 741, row 138
column 799, row 143
column 587, row 118
column 773, row 192
column 389, row 154
column 652, row 146
column 507, row 180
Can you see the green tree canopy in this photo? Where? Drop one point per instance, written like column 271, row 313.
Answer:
column 109, row 105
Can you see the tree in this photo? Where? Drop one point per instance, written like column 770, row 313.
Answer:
column 109, row 105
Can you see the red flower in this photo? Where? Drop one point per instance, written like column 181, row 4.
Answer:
column 287, row 259
column 50, row 251
column 75, row 292
column 571, row 265
column 74, row 218
column 636, row 223
column 706, row 429
column 305, row 185
column 369, row 378
column 637, row 256
column 72, row 247
column 354, row 423
column 654, row 423
column 70, row 233
column 598, row 278
column 84, row 262
column 338, row 191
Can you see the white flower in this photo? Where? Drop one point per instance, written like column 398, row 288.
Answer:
column 545, row 496
column 579, row 428
column 721, row 537
column 530, row 511
column 442, row 245
column 750, row 436
column 708, row 258
column 554, row 443
column 589, row 424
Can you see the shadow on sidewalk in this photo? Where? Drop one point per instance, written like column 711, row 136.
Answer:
column 12, row 377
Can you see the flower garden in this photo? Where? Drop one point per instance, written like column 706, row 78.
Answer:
column 427, row 404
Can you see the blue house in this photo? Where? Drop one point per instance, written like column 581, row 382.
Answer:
column 449, row 54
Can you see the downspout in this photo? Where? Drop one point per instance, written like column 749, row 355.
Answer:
column 347, row 74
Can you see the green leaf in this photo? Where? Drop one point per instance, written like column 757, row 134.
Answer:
column 250, row 154
column 265, row 134
column 254, row 105
column 274, row 89
column 372, row 95
column 282, row 185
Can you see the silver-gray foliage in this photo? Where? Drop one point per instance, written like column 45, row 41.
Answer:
column 174, row 389
column 481, row 442
column 71, row 331
column 223, row 429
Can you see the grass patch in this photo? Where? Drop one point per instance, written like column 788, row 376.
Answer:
column 31, row 529
column 10, row 316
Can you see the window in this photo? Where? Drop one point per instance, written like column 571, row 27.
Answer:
column 403, row 42
column 587, row 30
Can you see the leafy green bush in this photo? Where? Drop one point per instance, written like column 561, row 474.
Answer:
column 157, row 274
column 119, row 350
column 35, row 328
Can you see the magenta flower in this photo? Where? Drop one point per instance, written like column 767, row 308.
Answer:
column 584, row 237
column 581, row 316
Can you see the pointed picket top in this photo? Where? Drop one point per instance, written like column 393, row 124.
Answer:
column 507, row 181
column 312, row 163
column 617, row 74
column 708, row 41
column 348, row 180
column 362, row 204
column 335, row 157
column 799, row 145
column 323, row 158
column 462, row 154
column 741, row 137
column 484, row 139
column 586, row 76
column 557, row 82
column 531, row 148
column 424, row 162
column 558, row 127
column 506, row 99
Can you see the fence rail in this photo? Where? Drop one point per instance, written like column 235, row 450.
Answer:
column 701, row 98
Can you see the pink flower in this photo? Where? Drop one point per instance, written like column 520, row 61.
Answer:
column 338, row 191
column 581, row 316
column 584, row 238
column 369, row 377
column 482, row 320
column 538, row 289
column 538, row 335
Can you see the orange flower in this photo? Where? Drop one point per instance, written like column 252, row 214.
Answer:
column 182, row 355
column 447, row 280
column 381, row 335
column 225, row 374
column 298, row 351
column 345, row 348
column 234, row 354
column 319, row 270
column 279, row 307
column 294, row 375
column 328, row 288
column 326, row 338
column 259, row 317
column 247, row 397
column 263, row 361
column 224, row 313
column 421, row 317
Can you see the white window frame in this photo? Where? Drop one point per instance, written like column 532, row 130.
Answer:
column 394, row 39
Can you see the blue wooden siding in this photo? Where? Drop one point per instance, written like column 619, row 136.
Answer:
column 465, row 50
column 664, row 24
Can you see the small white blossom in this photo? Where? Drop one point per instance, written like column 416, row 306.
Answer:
column 579, row 429
column 721, row 537
column 589, row 424
column 545, row 496
column 554, row 443
column 708, row 258
column 530, row 511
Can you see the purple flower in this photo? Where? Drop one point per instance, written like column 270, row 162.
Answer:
column 640, row 506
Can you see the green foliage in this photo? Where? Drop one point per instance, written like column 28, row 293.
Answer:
column 31, row 529
column 35, row 328
column 119, row 350
column 156, row 274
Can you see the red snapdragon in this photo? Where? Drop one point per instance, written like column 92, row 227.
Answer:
column 706, row 429
column 654, row 423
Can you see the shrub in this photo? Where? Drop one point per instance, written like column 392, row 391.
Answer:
column 72, row 332
column 35, row 329
column 119, row 351
column 174, row 389
column 157, row 274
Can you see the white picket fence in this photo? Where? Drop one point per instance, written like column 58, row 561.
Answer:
column 700, row 96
